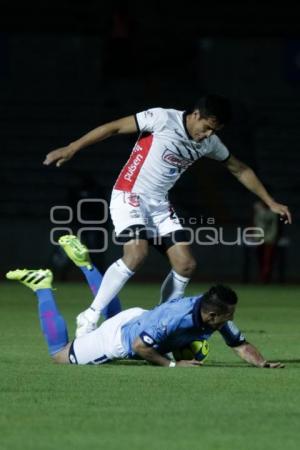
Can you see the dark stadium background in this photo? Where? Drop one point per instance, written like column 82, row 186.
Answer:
column 67, row 67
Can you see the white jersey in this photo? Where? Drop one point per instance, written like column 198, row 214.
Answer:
column 163, row 151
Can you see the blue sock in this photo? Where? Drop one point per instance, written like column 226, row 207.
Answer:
column 94, row 279
column 52, row 323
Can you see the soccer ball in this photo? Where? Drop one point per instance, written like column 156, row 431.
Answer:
column 194, row 350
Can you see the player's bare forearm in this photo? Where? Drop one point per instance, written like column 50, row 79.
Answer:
column 247, row 352
column 152, row 356
column 125, row 125
column 149, row 354
column 248, row 178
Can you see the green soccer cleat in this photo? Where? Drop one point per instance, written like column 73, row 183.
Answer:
column 33, row 279
column 76, row 251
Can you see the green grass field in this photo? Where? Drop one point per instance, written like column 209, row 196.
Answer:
column 224, row 405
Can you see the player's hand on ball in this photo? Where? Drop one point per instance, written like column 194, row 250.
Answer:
column 272, row 365
column 60, row 156
column 189, row 363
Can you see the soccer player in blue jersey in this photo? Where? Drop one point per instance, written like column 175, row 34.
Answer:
column 138, row 333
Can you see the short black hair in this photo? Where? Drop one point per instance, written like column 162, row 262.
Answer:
column 218, row 299
column 214, row 105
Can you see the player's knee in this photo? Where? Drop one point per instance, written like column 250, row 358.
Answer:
column 135, row 259
column 185, row 266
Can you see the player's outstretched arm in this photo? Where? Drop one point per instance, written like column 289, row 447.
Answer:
column 248, row 178
column 126, row 125
column 152, row 356
column 251, row 355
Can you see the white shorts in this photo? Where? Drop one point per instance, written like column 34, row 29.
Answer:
column 128, row 209
column 103, row 344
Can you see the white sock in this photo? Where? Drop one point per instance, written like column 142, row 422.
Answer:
column 113, row 280
column 173, row 286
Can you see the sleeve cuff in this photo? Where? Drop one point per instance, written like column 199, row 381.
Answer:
column 226, row 159
column 147, row 339
column 137, row 123
column 237, row 344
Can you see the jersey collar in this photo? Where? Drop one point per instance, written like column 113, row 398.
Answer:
column 197, row 315
column 197, row 320
column 184, row 125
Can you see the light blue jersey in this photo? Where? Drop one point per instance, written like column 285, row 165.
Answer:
column 173, row 325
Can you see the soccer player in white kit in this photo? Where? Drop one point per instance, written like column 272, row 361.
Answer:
column 169, row 142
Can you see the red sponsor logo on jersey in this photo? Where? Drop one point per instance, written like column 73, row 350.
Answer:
column 176, row 160
column 131, row 168
column 130, row 171
column 136, row 148
column 133, row 200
